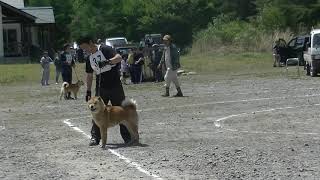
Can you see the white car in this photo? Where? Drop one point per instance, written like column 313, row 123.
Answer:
column 116, row 42
column 312, row 53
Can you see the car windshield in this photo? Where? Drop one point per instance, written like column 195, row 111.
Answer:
column 124, row 51
column 157, row 39
column 316, row 41
column 118, row 42
column 300, row 42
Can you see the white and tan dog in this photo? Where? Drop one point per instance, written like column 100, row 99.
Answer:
column 106, row 116
column 74, row 88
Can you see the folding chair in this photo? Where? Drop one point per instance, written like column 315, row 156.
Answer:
column 294, row 61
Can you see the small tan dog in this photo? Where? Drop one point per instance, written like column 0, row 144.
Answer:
column 74, row 88
column 106, row 116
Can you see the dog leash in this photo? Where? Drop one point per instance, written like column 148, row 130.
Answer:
column 99, row 84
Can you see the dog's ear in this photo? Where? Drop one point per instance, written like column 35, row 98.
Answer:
column 99, row 98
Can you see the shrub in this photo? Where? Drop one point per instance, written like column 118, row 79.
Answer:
column 236, row 35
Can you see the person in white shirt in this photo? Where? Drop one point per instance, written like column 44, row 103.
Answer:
column 45, row 64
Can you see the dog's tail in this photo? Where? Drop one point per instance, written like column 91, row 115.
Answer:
column 65, row 84
column 129, row 104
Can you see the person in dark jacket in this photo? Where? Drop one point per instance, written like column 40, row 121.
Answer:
column 136, row 66
column 156, row 58
column 58, row 65
column 67, row 64
column 104, row 62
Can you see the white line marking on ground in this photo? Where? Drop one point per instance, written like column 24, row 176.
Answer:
column 127, row 160
column 217, row 122
column 213, row 93
column 225, row 102
column 222, row 102
column 216, row 102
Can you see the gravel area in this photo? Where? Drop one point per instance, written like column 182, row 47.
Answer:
column 239, row 128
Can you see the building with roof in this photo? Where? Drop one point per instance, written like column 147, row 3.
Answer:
column 25, row 30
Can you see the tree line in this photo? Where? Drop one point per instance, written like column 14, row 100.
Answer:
column 184, row 19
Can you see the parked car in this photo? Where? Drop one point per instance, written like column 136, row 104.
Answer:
column 312, row 53
column 293, row 49
column 116, row 41
column 151, row 39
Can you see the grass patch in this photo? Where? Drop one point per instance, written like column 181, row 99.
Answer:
column 31, row 73
column 259, row 64
column 219, row 64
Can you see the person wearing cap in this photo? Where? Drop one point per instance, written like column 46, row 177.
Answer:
column 45, row 64
column 67, row 62
column 104, row 62
column 171, row 60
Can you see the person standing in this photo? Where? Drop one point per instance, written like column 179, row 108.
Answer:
column 124, row 69
column 138, row 62
column 170, row 59
column 104, row 62
column 58, row 65
column 45, row 64
column 156, row 58
column 67, row 64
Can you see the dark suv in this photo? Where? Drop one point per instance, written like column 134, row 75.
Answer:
column 293, row 49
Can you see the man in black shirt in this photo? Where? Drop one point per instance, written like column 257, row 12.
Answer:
column 136, row 67
column 104, row 62
column 67, row 64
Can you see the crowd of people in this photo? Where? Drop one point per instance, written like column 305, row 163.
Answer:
column 135, row 62
column 111, row 69
column 64, row 63
column 131, row 68
column 104, row 62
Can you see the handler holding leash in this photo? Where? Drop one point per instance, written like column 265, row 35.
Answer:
column 105, row 63
column 67, row 64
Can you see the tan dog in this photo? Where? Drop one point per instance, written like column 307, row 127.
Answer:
column 74, row 88
column 106, row 116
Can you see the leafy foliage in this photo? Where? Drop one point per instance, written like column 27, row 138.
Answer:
column 183, row 19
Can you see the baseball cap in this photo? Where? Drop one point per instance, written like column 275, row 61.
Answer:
column 167, row 38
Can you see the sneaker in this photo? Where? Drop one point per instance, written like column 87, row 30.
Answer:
column 94, row 142
column 57, row 83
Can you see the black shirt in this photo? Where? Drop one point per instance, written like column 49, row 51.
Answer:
column 65, row 59
column 111, row 78
column 136, row 57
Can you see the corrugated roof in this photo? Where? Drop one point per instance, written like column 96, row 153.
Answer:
column 17, row 11
column 44, row 15
column 14, row 3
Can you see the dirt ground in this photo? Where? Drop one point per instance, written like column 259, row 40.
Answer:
column 238, row 128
